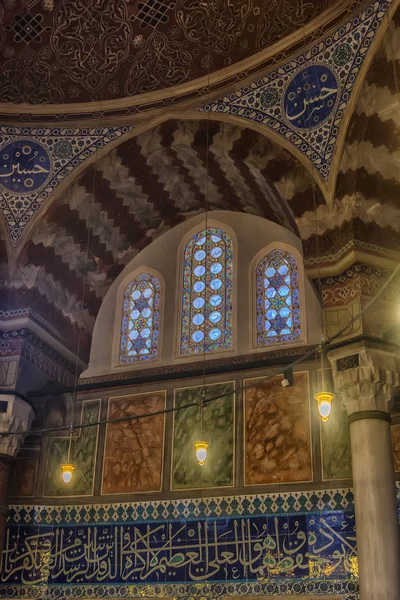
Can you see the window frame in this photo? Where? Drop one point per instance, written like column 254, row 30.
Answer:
column 128, row 279
column 262, row 254
column 179, row 295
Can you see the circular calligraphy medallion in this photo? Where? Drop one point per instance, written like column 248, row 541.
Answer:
column 269, row 97
column 342, row 54
column 310, row 97
column 24, row 166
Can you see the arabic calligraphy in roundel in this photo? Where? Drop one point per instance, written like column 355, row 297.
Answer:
column 310, row 97
column 25, row 166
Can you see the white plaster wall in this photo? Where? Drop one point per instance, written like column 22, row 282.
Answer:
column 253, row 233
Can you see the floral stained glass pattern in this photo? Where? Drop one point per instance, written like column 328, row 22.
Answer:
column 207, row 293
column 277, row 299
column 140, row 320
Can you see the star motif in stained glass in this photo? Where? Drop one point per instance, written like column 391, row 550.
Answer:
column 279, row 323
column 277, row 302
column 141, row 303
column 277, row 281
column 139, row 344
column 140, row 323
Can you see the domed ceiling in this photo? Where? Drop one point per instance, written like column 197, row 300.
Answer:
column 73, row 51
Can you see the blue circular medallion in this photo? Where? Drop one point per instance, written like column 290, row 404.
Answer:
column 310, row 97
column 342, row 55
column 269, row 97
column 24, row 166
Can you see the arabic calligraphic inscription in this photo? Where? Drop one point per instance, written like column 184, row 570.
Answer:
column 24, row 166
column 308, row 547
column 311, row 96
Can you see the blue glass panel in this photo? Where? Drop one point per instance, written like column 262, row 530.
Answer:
column 213, row 248
column 277, row 302
column 140, row 320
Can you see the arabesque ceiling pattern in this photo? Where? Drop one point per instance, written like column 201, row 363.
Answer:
column 140, row 190
column 86, row 50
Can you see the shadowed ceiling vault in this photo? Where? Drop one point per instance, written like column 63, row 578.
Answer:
column 140, row 190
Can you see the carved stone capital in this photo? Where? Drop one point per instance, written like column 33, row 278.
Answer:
column 15, row 415
column 365, row 377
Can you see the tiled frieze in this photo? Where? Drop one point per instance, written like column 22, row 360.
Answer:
column 305, row 99
column 192, row 508
column 305, row 552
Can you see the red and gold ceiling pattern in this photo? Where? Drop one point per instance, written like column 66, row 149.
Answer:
column 73, row 51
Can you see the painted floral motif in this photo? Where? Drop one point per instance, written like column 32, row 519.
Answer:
column 91, row 39
column 2, row 31
column 140, row 320
column 160, row 60
column 218, row 24
column 207, row 293
column 35, row 84
column 279, row 16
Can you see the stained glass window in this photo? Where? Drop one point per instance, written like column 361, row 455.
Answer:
column 207, row 293
column 277, row 299
column 140, row 320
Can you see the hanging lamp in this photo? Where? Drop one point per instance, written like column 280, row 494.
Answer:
column 68, row 468
column 324, row 398
column 201, row 447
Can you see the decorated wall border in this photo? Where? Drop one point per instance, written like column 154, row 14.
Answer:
column 330, row 68
column 61, row 150
column 23, row 342
column 193, row 508
column 337, row 589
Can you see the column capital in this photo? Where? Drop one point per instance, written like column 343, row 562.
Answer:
column 15, row 415
column 365, row 377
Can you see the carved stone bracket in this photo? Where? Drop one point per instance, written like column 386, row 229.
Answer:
column 15, row 415
column 365, row 384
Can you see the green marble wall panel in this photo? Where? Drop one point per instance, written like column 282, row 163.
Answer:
column 218, row 430
column 335, row 443
column 83, row 456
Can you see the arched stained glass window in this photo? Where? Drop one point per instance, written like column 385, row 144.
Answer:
column 140, row 320
column 277, row 298
column 207, row 293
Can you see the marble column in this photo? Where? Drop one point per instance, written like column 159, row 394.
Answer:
column 15, row 415
column 365, row 378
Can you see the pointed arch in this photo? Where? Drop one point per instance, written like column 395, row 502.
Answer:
column 206, row 323
column 278, row 296
column 140, row 322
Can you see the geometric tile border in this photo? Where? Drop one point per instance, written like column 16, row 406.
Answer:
column 193, row 508
column 348, row 590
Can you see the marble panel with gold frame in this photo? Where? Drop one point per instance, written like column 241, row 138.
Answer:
column 218, row 431
column 277, row 431
column 134, row 449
